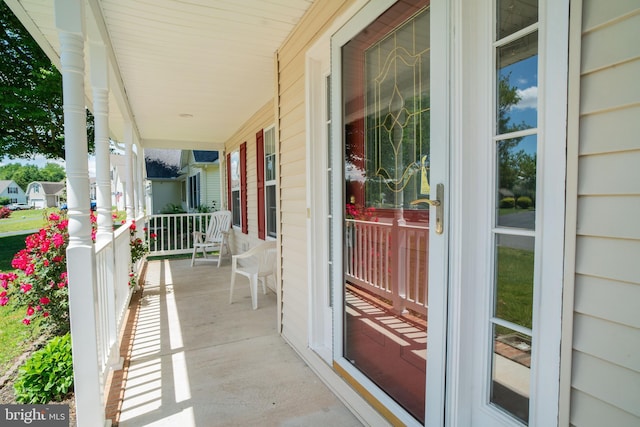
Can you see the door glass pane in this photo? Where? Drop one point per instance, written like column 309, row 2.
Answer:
column 516, row 192
column 386, row 235
column 517, row 85
column 514, row 15
column 511, row 371
column 514, row 279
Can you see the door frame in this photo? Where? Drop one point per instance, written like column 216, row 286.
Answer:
column 437, row 339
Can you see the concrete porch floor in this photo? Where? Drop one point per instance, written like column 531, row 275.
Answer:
column 195, row 360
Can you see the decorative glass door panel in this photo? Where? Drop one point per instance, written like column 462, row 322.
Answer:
column 387, row 161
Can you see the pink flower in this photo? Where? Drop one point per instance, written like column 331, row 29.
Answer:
column 30, row 311
column 44, row 300
column 58, row 240
column 58, row 258
column 45, row 245
column 26, row 321
column 3, row 294
column 54, row 217
column 29, row 269
column 46, row 262
column 62, row 225
column 132, row 227
column 3, row 301
column 153, row 235
column 45, row 314
column 25, row 287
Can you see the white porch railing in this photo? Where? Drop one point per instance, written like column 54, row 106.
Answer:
column 113, row 260
column 174, row 232
column 389, row 260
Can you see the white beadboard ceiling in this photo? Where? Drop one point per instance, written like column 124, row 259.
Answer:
column 191, row 72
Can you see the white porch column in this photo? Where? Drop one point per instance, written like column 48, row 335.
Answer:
column 128, row 158
column 81, row 266
column 100, row 86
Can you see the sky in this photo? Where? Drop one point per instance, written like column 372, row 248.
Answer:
column 524, row 76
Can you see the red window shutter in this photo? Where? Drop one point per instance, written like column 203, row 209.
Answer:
column 243, row 187
column 260, row 172
column 229, row 206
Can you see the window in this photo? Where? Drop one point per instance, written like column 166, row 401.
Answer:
column 234, row 184
column 12, row 190
column 266, row 181
column 515, row 140
column 237, row 187
column 270, row 174
column 194, row 191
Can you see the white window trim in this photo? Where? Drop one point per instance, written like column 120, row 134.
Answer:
column 550, row 212
column 236, row 187
column 270, row 183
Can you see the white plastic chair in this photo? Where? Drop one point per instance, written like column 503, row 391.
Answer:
column 215, row 239
column 257, row 263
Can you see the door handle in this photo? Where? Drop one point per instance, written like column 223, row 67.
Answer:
column 439, row 205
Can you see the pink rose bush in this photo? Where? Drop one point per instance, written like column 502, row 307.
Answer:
column 40, row 284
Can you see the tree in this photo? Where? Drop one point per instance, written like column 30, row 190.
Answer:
column 24, row 174
column 31, row 115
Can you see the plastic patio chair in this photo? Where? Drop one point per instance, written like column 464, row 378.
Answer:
column 257, row 263
column 216, row 237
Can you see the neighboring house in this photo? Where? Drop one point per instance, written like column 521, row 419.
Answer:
column 377, row 159
column 42, row 194
column 189, row 179
column 12, row 191
column 201, row 186
column 165, row 180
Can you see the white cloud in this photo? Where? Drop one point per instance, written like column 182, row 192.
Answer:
column 528, row 98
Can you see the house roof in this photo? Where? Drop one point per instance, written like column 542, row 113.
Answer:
column 162, row 164
column 185, row 74
column 202, row 156
column 5, row 183
column 50, row 188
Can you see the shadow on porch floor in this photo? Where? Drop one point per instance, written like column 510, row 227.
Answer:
column 195, row 360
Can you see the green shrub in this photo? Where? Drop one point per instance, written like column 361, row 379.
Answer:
column 507, row 203
column 47, row 375
column 4, row 201
column 524, row 202
column 172, row 208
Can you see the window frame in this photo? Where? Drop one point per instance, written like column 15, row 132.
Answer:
column 235, row 188
column 270, row 214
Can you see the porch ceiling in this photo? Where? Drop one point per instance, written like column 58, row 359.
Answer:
column 188, row 72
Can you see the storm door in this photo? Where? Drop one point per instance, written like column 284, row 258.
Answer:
column 393, row 224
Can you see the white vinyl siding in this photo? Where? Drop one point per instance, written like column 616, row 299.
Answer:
column 605, row 374
column 292, row 143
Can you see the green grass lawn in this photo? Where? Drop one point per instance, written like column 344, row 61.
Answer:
column 514, row 300
column 9, row 246
column 15, row 337
column 25, row 220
